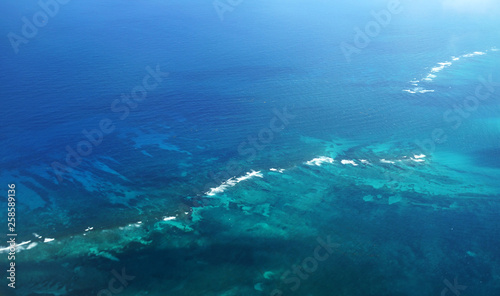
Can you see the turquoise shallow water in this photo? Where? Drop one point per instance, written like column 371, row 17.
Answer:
column 264, row 163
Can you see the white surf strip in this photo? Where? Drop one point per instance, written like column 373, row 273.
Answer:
column 233, row 181
column 320, row 160
column 19, row 247
column 476, row 53
column 345, row 161
column 441, row 66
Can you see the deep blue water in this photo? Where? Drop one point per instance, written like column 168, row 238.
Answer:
column 257, row 140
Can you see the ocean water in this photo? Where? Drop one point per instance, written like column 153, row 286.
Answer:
column 233, row 148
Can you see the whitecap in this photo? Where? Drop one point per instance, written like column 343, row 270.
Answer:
column 476, row 53
column 429, row 77
column 418, row 90
column 320, row 160
column 249, row 175
column 19, row 247
column 418, row 158
column 345, row 161
column 31, row 246
column 441, row 67
column 233, row 181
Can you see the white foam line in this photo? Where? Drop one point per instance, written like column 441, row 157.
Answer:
column 345, row 161
column 31, row 246
column 429, row 77
column 320, row 160
column 476, row 53
column 233, row 181
column 438, row 69
column 441, row 67
column 19, row 247
column 419, row 90
column 418, row 158
column 249, row 175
